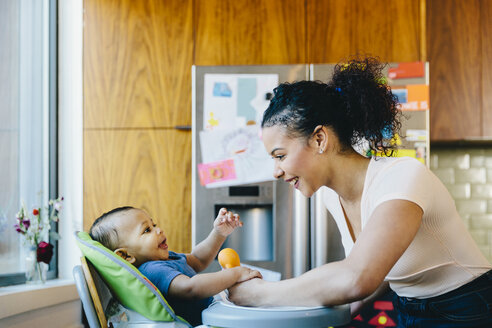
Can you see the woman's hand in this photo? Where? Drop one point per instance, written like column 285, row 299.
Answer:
column 245, row 292
column 226, row 222
column 245, row 273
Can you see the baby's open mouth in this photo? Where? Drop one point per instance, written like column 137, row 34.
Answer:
column 163, row 245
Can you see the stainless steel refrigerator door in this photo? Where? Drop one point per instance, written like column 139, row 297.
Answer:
column 277, row 193
column 300, row 234
column 326, row 241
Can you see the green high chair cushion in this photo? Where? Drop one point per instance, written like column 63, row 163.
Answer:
column 130, row 287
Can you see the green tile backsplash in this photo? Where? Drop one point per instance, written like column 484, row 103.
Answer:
column 467, row 173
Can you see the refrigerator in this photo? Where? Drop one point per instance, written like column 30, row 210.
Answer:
column 283, row 231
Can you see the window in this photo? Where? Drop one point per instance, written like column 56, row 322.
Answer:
column 28, row 171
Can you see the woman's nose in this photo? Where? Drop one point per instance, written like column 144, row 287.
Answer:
column 158, row 230
column 277, row 171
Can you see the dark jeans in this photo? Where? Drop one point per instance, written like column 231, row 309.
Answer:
column 467, row 306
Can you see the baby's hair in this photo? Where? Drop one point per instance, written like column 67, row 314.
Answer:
column 104, row 231
column 356, row 103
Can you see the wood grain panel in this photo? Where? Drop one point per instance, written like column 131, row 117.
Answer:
column 453, row 45
column 386, row 28
column 149, row 169
column 249, row 32
column 486, row 14
column 137, row 63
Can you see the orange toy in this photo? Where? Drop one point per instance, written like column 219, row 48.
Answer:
column 228, row 258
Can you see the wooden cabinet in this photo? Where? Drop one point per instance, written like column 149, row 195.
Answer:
column 389, row 29
column 486, row 21
column 144, row 168
column 137, row 63
column 250, row 32
column 455, row 62
column 137, row 87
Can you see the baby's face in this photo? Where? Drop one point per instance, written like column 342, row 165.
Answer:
column 139, row 235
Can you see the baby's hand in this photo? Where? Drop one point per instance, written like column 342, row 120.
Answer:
column 226, row 222
column 246, row 273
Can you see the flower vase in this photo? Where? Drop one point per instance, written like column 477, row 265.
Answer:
column 35, row 271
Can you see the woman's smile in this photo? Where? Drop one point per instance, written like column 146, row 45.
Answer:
column 294, row 182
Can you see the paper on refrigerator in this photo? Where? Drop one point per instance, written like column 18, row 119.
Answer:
column 242, row 149
column 231, row 146
column 235, row 100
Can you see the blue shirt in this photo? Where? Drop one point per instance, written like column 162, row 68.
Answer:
column 161, row 273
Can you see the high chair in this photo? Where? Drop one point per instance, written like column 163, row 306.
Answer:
column 115, row 294
column 89, row 295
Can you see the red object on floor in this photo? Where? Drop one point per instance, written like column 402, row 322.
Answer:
column 378, row 314
column 382, row 320
column 383, row 305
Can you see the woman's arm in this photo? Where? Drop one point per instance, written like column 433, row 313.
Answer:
column 357, row 306
column 384, row 239
column 208, row 284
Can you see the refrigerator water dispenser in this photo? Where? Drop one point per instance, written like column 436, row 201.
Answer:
column 254, row 240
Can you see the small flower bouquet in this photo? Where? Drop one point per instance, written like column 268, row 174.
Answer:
column 35, row 229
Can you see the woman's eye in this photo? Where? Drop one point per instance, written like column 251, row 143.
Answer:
column 280, row 157
column 147, row 230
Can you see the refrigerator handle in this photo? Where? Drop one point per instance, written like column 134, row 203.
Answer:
column 300, row 258
column 319, row 231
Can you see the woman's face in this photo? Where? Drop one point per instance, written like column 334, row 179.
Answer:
column 295, row 160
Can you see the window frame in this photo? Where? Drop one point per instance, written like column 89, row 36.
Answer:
column 19, row 278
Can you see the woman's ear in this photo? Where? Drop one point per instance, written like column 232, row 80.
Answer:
column 123, row 253
column 319, row 138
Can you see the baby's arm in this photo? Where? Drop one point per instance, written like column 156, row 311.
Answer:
column 208, row 284
column 205, row 252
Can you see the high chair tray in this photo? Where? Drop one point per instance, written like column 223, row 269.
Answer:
column 224, row 315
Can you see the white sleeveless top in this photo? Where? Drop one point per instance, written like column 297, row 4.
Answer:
column 443, row 256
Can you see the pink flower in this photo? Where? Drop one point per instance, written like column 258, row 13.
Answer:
column 18, row 229
column 58, row 206
column 44, row 252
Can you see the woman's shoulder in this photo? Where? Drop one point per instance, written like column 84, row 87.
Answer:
column 402, row 178
column 384, row 162
column 384, row 166
column 387, row 174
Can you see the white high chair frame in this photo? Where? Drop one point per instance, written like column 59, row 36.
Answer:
column 94, row 295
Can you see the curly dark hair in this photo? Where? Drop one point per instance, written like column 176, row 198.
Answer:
column 357, row 103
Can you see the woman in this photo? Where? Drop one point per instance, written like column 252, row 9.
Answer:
column 399, row 224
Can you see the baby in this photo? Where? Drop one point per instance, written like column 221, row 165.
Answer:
column 131, row 233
